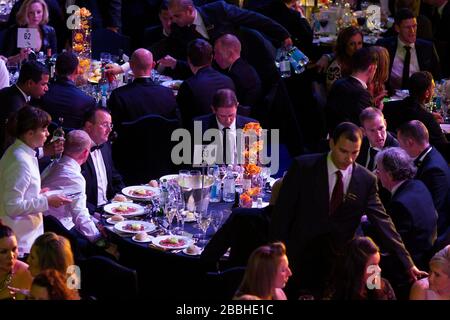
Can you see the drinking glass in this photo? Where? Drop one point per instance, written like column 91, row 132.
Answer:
column 170, row 212
column 204, row 221
column 13, row 69
column 105, row 57
column 216, row 219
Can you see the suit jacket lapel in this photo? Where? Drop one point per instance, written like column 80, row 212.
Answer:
column 210, row 28
column 323, row 193
column 92, row 173
column 354, row 186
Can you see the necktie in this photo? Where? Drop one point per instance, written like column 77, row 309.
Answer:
column 371, row 164
column 338, row 193
column 225, row 145
column 407, row 61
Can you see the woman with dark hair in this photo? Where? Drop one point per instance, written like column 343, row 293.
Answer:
column 358, row 275
column 266, row 274
column 13, row 273
column 349, row 40
column 50, row 284
column 21, row 199
column 32, row 14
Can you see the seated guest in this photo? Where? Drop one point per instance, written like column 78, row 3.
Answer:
column 32, row 82
column 227, row 54
column 266, row 274
column 225, row 118
column 432, row 170
column 50, row 284
column 102, row 179
column 408, row 54
column 437, row 285
column 349, row 41
column 421, row 91
column 377, row 87
column 411, row 207
column 424, row 25
column 65, row 174
column 356, row 270
column 234, row 233
column 63, row 99
column 50, row 251
column 349, row 96
column 32, row 14
column 13, row 272
column 195, row 95
column 22, row 199
column 143, row 96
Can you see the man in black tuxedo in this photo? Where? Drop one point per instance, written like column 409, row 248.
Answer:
column 432, row 170
column 421, row 91
column 63, row 98
column 419, row 54
column 32, row 83
column 349, row 96
column 215, row 19
column 411, row 207
column 224, row 118
column 376, row 137
column 195, row 94
column 143, row 96
column 441, row 34
column 102, row 179
column 227, row 54
column 319, row 208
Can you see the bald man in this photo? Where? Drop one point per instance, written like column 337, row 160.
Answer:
column 143, row 96
column 227, row 54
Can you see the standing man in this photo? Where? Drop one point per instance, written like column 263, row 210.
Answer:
column 102, row 179
column 319, row 208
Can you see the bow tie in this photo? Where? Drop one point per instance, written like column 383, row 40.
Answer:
column 93, row 148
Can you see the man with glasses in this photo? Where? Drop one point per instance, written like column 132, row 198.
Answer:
column 102, row 179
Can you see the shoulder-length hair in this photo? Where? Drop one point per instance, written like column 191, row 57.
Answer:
column 262, row 267
column 55, row 283
column 382, row 72
column 22, row 14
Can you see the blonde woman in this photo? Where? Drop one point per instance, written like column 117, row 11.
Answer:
column 437, row 285
column 32, row 14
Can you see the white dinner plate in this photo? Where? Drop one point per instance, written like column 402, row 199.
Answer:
column 134, row 209
column 130, row 192
column 172, row 84
column 148, row 239
column 185, row 251
column 111, row 221
column 146, row 226
column 186, row 242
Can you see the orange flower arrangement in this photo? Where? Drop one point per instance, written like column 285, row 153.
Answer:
column 81, row 43
column 251, row 169
column 253, row 192
column 245, row 200
column 253, row 126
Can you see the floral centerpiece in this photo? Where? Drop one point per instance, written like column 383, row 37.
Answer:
column 252, row 148
column 81, row 41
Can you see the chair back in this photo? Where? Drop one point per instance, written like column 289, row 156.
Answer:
column 105, row 40
column 222, row 285
column 142, row 150
column 100, row 274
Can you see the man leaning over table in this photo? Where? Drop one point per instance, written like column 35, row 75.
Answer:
column 102, row 179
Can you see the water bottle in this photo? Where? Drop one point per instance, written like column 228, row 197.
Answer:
column 229, row 186
column 164, row 195
column 104, row 86
column 285, row 66
column 216, row 187
column 297, row 59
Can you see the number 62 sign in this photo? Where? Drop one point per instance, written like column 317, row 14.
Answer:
column 27, row 38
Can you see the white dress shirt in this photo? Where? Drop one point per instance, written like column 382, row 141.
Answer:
column 21, row 203
column 346, row 175
column 364, row 85
column 4, row 75
column 200, row 25
column 102, row 179
column 65, row 175
column 397, row 66
column 231, row 139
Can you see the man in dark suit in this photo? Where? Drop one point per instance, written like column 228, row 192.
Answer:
column 441, row 35
column 421, row 91
column 419, row 54
column 32, row 82
column 227, row 54
column 63, row 98
column 349, row 96
column 432, row 170
column 143, row 96
column 102, row 179
column 225, row 119
column 215, row 19
column 195, row 95
column 319, row 208
column 411, row 207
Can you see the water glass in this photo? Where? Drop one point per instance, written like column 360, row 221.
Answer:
column 13, row 69
column 105, row 57
column 204, row 221
column 216, row 219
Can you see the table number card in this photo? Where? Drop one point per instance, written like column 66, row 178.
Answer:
column 27, row 38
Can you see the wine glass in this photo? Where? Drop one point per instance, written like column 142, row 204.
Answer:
column 170, row 212
column 216, row 219
column 323, row 20
column 204, row 221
